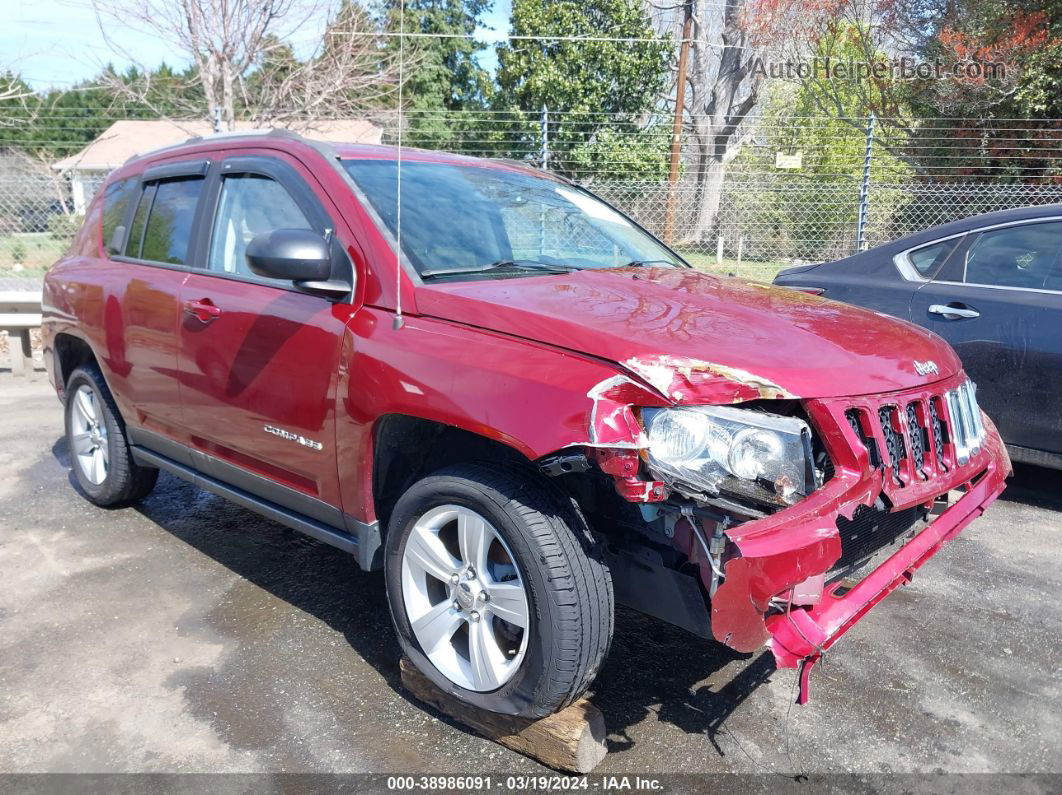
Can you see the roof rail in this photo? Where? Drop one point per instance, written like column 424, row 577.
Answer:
column 279, row 132
column 256, row 132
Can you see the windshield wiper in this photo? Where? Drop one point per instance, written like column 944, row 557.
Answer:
column 502, row 264
column 645, row 263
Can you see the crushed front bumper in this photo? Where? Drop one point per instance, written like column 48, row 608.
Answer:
column 762, row 598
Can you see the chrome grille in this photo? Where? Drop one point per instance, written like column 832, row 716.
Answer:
column 893, row 439
column 919, row 436
column 968, row 431
column 915, row 433
column 938, row 431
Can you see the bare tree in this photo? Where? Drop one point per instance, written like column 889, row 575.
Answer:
column 350, row 72
column 243, row 64
column 722, row 91
column 730, row 42
column 15, row 110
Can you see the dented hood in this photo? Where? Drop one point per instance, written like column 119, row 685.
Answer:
column 688, row 332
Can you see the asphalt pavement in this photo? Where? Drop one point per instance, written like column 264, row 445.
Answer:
column 187, row 634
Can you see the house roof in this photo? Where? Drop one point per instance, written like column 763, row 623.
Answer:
column 125, row 139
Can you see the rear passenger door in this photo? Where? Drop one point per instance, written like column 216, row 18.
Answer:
column 258, row 357
column 153, row 242
column 998, row 302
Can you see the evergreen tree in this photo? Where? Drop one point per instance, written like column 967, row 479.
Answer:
column 597, row 91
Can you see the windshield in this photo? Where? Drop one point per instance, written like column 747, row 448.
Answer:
column 487, row 222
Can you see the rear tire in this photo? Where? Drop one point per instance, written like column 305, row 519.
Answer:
column 99, row 450
column 543, row 544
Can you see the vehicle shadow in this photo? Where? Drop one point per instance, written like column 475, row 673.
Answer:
column 663, row 673
column 653, row 671
column 1035, row 486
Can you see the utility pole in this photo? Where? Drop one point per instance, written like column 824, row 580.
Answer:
column 676, row 130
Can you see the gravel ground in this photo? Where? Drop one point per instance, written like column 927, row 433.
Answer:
column 187, row 634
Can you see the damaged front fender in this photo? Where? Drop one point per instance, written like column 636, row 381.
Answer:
column 687, row 380
column 615, row 433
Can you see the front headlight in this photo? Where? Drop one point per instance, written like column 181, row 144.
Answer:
column 718, row 449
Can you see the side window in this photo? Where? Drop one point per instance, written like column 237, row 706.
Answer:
column 162, row 225
column 928, row 259
column 116, row 200
column 1019, row 256
column 169, row 227
column 249, row 205
column 1054, row 279
column 135, row 238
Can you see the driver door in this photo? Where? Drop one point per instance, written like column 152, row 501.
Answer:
column 258, row 359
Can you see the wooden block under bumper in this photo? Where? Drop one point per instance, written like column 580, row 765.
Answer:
column 572, row 739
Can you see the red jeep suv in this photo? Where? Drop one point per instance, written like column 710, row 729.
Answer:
column 494, row 386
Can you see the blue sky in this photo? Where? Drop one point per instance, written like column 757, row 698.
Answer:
column 58, row 42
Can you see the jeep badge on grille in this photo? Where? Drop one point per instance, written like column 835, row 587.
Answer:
column 925, row 368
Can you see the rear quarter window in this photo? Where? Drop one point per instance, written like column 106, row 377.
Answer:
column 927, row 260
column 116, row 198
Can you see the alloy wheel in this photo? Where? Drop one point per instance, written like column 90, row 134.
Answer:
column 89, row 435
column 464, row 598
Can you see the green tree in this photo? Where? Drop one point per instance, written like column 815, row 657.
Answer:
column 58, row 123
column 445, row 79
column 447, row 74
column 617, row 154
column 954, row 125
column 811, row 212
column 591, row 87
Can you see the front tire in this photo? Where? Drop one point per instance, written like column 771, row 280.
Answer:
column 99, row 451
column 496, row 590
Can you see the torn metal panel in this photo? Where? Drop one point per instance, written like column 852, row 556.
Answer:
column 684, row 379
column 775, row 579
column 616, row 437
column 806, row 632
column 777, row 555
column 613, row 423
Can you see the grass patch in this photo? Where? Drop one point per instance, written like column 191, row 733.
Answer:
column 753, row 271
column 34, row 252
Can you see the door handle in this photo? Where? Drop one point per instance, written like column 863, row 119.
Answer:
column 954, row 311
column 202, row 310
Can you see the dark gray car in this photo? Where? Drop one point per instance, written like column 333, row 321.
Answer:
column 991, row 285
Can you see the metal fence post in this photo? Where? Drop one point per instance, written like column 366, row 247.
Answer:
column 544, row 154
column 864, row 188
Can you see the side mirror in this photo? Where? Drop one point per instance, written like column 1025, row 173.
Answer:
column 296, row 255
column 117, row 241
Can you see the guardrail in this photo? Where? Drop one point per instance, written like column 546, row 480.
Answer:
column 20, row 312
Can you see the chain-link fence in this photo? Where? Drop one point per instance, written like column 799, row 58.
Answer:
column 37, row 221
column 777, row 192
